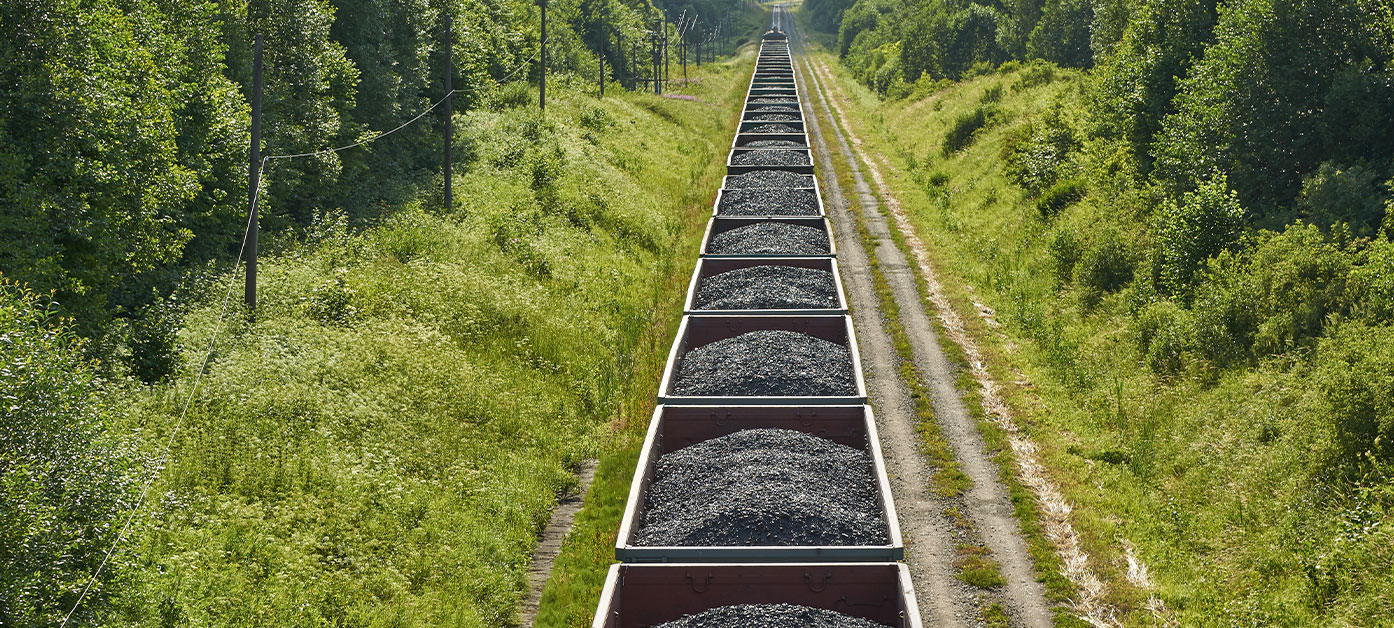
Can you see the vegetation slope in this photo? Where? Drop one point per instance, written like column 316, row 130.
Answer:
column 1186, row 241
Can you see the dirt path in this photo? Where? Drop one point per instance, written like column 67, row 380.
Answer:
column 549, row 545
column 987, row 503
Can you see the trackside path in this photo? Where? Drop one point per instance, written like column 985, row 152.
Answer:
column 986, row 504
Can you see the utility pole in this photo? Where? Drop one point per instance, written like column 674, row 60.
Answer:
column 542, row 84
column 449, row 110
column 619, row 54
column 602, row 56
column 634, row 63
column 254, row 180
column 665, row 46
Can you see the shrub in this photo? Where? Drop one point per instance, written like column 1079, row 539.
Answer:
column 596, row 118
column 1370, row 288
column 1162, row 333
column 1354, row 375
column 961, row 132
column 65, row 480
column 1060, row 196
column 1351, row 195
column 1270, row 299
column 515, row 94
column 1040, row 155
column 1204, row 223
column 1065, row 250
column 1104, row 268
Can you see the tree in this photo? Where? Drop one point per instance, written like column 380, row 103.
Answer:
column 1062, row 34
column 1203, row 223
column 1287, row 86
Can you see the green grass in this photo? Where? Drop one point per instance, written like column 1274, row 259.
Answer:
column 1216, row 477
column 382, row 446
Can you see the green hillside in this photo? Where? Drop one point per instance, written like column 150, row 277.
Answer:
column 1193, row 274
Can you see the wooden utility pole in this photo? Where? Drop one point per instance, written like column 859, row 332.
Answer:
column 665, row 46
column 449, row 111
column 619, row 54
column 254, row 180
column 602, row 56
column 542, row 83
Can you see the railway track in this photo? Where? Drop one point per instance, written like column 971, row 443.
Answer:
column 761, row 483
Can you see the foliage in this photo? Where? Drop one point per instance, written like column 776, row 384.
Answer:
column 65, row 480
column 1285, row 87
column 1060, row 196
column 1062, row 35
column 1354, row 373
column 961, row 130
column 1354, row 196
column 1106, row 267
column 1202, row 224
column 1040, row 155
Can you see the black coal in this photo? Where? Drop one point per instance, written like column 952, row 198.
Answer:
column 775, row 144
column 770, row 238
column 768, row 201
column 763, row 487
column 770, row 616
column 772, row 158
column 767, row 363
column 770, row 179
column 767, row 288
column 773, row 128
column 774, row 117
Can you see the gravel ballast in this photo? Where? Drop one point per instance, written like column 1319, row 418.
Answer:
column 775, row 144
column 763, row 487
column 773, row 128
column 767, row 288
column 770, row 616
column 768, row 201
column 770, row 238
column 767, row 363
column 769, row 179
column 772, row 158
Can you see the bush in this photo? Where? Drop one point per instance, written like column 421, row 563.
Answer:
column 511, row 95
column 1354, row 375
column 65, row 481
column 1104, row 268
column 1039, row 157
column 1271, row 299
column 1204, row 223
column 1370, row 288
column 1060, row 197
column 1065, row 250
column 1352, row 195
column 1162, row 333
column 961, row 132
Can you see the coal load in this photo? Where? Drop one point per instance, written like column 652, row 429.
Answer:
column 767, row 288
column 774, row 100
column 772, row 158
column 769, row 179
column 773, row 128
column 768, row 201
column 763, row 487
column 774, row 117
column 767, row 363
column 773, row 109
column 770, row 238
column 770, row 616
column 775, row 144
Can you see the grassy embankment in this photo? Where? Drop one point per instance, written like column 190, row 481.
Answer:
column 570, row 597
column 1219, row 477
column 383, row 445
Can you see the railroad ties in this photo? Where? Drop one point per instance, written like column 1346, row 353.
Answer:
column 761, row 495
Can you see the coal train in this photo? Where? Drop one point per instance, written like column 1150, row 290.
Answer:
column 761, row 488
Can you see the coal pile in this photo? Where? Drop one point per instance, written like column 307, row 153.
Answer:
column 775, row 144
column 773, row 128
column 774, row 117
column 770, row 616
column 768, row 201
column 767, row 288
column 770, row 238
column 767, row 363
column 774, row 100
column 769, row 179
column 773, row 109
column 772, row 158
column 763, row 487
